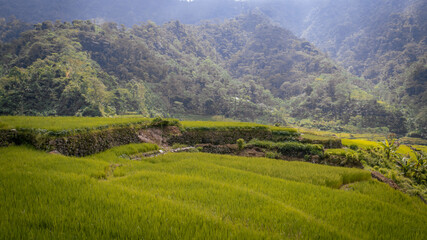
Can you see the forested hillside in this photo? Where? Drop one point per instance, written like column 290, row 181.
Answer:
column 246, row 68
column 384, row 42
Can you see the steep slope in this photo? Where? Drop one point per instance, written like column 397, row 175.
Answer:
column 246, row 68
column 252, row 47
column 312, row 85
column 150, row 68
column 374, row 40
column 385, row 42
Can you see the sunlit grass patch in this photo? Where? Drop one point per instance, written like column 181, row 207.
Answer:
column 125, row 151
column 420, row 147
column 360, row 143
column 197, row 196
column 316, row 137
column 406, row 150
column 340, row 151
column 364, row 136
column 66, row 123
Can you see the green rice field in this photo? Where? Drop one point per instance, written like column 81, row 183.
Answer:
column 69, row 123
column 65, row 123
column 195, row 196
column 361, row 143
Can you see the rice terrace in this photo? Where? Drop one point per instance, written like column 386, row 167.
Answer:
column 130, row 191
column 213, row 119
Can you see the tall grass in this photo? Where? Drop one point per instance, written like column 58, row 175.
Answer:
column 360, row 143
column 368, row 136
column 197, row 196
column 65, row 123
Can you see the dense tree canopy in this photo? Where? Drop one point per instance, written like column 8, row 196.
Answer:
column 246, row 68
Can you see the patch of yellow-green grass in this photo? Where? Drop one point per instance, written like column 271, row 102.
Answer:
column 360, row 143
column 316, row 137
column 282, row 129
column 197, row 196
column 367, row 136
column 406, row 150
column 340, row 151
column 66, row 123
column 124, row 151
column 420, row 147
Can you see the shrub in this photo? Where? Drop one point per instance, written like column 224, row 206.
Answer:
column 354, row 147
column 290, row 148
column 273, row 155
column 178, row 145
column 241, row 143
column 160, row 122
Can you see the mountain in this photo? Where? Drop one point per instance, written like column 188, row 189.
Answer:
column 246, row 68
column 384, row 42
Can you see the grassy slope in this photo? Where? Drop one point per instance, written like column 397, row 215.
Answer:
column 194, row 195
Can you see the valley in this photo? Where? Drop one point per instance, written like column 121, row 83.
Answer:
column 213, row 119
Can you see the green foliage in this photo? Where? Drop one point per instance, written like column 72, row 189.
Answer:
column 62, row 125
column 272, row 155
column 348, row 155
column 83, row 69
column 289, row 148
column 331, row 101
column 160, row 122
column 389, row 146
column 405, row 165
column 402, row 164
column 277, row 132
column 230, row 69
column 354, row 147
column 178, row 145
column 218, row 125
column 360, row 143
column 340, row 151
column 241, row 143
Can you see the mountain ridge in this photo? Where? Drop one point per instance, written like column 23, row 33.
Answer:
column 245, row 68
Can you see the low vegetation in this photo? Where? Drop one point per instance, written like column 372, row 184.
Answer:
column 295, row 149
column 58, row 124
column 83, row 136
column 196, row 195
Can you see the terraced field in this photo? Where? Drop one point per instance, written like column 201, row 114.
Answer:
column 197, row 196
column 66, row 123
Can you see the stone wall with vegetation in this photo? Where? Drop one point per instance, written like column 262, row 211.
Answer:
column 83, row 142
column 7, row 137
column 229, row 135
